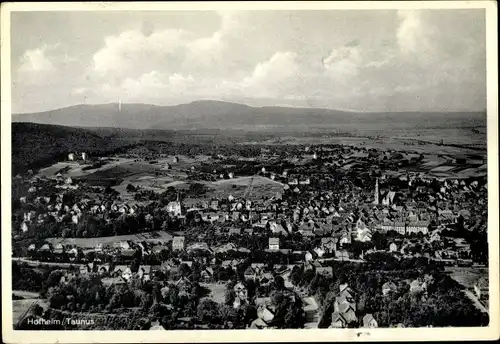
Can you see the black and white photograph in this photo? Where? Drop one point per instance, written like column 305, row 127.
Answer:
column 235, row 169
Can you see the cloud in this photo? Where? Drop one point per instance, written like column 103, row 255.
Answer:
column 343, row 63
column 36, row 65
column 272, row 77
column 133, row 51
column 383, row 60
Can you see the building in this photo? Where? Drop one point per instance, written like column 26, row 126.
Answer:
column 418, row 227
column 311, row 309
column 84, row 156
column 329, row 245
column 369, row 321
column 71, row 156
column 174, row 208
column 178, row 243
column 338, row 321
column 393, row 247
column 377, row 193
column 240, row 294
column 274, row 244
column 417, row 286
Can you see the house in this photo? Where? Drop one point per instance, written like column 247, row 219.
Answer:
column 258, row 324
column 207, row 274
column 344, row 287
column 109, row 281
column 241, row 294
column 341, row 302
column 369, row 321
column 329, row 245
column 417, row 286
column 277, row 228
column 178, row 243
column 274, row 244
column 363, row 235
column 71, row 156
column 342, row 254
column 122, row 271
column 265, row 313
column 338, row 321
column 393, row 247
column 481, row 288
column 319, row 252
column 156, row 326
column 388, row 287
column 24, row 227
column 68, row 181
column 122, row 245
column 144, row 272
column 58, row 248
column 46, row 248
column 311, row 309
column 198, row 246
column 225, row 248
column 348, row 311
column 251, row 273
column 345, row 238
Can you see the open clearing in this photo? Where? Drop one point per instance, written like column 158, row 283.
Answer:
column 217, row 291
column 467, row 276
column 237, row 187
column 159, row 236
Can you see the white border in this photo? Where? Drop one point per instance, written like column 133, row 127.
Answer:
column 421, row 334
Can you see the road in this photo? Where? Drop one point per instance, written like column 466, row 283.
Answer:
column 476, row 302
column 38, row 263
column 342, row 260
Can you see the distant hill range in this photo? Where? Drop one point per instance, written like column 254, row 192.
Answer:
column 209, row 114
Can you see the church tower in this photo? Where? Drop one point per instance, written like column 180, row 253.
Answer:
column 377, row 193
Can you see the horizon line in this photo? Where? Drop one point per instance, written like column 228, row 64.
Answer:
column 251, row 106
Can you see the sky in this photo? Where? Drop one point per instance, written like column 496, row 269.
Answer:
column 360, row 60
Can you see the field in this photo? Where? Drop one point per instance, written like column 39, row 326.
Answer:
column 217, row 291
column 160, row 236
column 467, row 276
column 237, row 187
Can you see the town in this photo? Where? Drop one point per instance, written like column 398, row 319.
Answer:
column 252, row 237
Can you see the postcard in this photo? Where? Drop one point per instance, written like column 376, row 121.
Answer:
column 249, row 171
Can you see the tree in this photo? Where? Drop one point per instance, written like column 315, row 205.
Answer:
column 229, row 293
column 208, row 311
